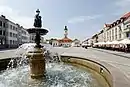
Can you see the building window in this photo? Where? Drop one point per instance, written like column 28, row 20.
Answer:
column 115, row 33
column 16, row 29
column 4, row 25
column 0, row 32
column 120, row 31
column 7, row 25
column 119, row 27
column 10, row 41
column 110, row 36
column 1, row 23
column 13, row 28
column 107, row 36
column 119, row 36
column 115, row 37
column 10, row 34
column 22, row 31
column 13, row 35
column 13, row 42
column 128, row 35
column 3, row 32
column 16, row 35
column 10, row 26
column 3, row 42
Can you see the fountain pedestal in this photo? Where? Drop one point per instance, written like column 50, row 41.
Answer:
column 36, row 56
column 37, row 63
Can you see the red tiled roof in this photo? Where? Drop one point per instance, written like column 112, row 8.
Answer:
column 107, row 25
column 65, row 39
column 126, row 15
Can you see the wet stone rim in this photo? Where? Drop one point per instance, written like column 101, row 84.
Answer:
column 113, row 76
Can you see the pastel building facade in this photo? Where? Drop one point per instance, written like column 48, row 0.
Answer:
column 115, row 31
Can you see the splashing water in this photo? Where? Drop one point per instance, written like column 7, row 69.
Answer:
column 57, row 73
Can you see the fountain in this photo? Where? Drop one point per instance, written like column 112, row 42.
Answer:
column 43, row 72
column 36, row 57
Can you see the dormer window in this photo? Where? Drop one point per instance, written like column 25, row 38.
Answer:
column 122, row 19
column 114, row 23
column 111, row 25
column 118, row 22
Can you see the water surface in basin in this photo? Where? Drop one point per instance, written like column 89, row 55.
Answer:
column 57, row 75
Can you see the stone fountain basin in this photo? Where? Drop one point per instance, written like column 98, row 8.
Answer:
column 108, row 75
column 86, row 65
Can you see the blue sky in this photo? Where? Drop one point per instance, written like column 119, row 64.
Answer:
column 83, row 17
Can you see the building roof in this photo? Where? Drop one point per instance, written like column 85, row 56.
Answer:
column 65, row 39
column 124, row 17
column 127, row 15
column 107, row 25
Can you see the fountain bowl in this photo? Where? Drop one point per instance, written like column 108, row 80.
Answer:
column 42, row 31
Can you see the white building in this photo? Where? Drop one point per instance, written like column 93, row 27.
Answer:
column 76, row 43
column 25, row 36
column 16, row 35
column 65, row 42
column 116, row 31
column 12, row 34
column 32, row 38
column 114, row 34
column 100, row 36
column 55, row 43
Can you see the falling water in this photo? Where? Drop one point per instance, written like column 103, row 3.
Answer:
column 57, row 73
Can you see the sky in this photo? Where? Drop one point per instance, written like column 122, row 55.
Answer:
column 84, row 18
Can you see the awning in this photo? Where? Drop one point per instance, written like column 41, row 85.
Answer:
column 115, row 42
column 125, row 41
column 108, row 42
column 99, row 43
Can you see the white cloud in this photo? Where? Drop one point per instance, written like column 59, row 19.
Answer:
column 15, row 16
column 123, row 3
column 2, row 2
column 123, row 7
column 118, row 13
column 83, row 18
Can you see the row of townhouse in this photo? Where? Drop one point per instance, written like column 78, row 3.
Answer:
column 116, row 31
column 12, row 34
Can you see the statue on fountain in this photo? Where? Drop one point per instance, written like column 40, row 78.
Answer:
column 37, row 24
column 37, row 20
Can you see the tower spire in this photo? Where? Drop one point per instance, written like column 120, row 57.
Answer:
column 65, row 32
